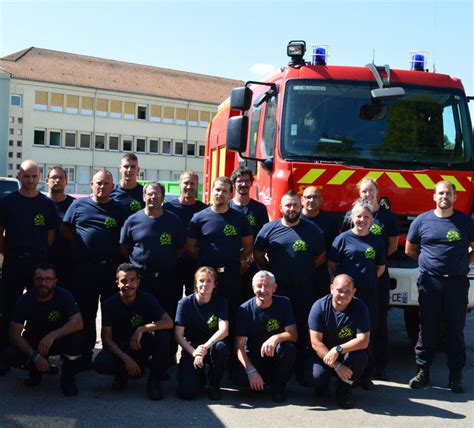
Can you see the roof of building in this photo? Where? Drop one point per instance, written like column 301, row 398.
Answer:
column 50, row 66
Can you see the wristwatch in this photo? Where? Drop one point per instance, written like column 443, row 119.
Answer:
column 339, row 349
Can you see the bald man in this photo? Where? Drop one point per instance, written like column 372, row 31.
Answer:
column 93, row 226
column 27, row 228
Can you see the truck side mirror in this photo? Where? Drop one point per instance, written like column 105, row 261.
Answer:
column 241, row 98
column 237, row 131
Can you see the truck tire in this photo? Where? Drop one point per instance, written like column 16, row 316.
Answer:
column 411, row 315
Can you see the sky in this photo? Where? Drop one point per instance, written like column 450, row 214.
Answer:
column 246, row 40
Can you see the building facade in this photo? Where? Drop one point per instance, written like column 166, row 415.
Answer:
column 83, row 113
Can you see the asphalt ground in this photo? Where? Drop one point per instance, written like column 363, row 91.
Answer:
column 393, row 403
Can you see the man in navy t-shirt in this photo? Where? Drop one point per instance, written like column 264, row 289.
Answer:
column 28, row 222
column 185, row 207
column 134, row 328
column 221, row 237
column 265, row 336
column 311, row 202
column 242, row 179
column 46, row 321
column 339, row 329
column 93, row 225
column 129, row 192
column 439, row 240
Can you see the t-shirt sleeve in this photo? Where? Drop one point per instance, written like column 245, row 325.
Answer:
column 335, row 250
column 413, row 235
column 393, row 227
column 241, row 322
column 223, row 310
column 245, row 228
column 69, row 215
column 194, row 229
column 364, row 319
column 53, row 217
column 315, row 319
column 21, row 310
column 107, row 317
column 124, row 232
column 261, row 241
column 289, row 317
column 318, row 241
column 380, row 258
column 180, row 318
column 156, row 308
column 71, row 307
column 180, row 236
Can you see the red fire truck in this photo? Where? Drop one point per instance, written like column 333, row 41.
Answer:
column 332, row 126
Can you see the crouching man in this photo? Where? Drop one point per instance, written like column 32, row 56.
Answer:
column 339, row 329
column 265, row 336
column 134, row 327
column 46, row 321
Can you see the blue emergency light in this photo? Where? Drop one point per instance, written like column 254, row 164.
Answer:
column 418, row 61
column 319, row 55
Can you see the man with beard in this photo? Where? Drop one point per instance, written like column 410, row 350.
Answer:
column 129, row 192
column 60, row 252
column 51, row 322
column 292, row 248
column 439, row 240
column 242, row 180
column 185, row 207
column 93, row 225
column 221, row 237
column 28, row 222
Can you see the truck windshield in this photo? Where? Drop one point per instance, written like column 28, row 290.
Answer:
column 339, row 121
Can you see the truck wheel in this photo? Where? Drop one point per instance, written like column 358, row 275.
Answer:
column 411, row 316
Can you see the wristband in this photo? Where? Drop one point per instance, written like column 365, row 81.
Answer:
column 251, row 371
column 339, row 365
column 36, row 356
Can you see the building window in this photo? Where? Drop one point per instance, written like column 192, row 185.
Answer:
column 193, row 117
column 38, row 138
column 10, row 154
column 72, row 104
column 12, row 119
column 10, row 143
column 10, row 166
column 164, row 175
column 84, row 174
column 87, row 104
column 204, row 118
column 141, row 112
column 70, row 139
column 127, row 144
column 168, row 114
column 12, row 131
column 20, row 120
column 191, row 148
column 129, row 110
column 202, row 150
column 55, row 138
column 18, row 155
column 57, row 102
column 116, row 109
column 175, row 175
column 141, row 175
column 166, row 147
column 19, row 131
column 18, row 143
column 16, row 100
column 85, row 141
column 153, row 146
column 71, row 173
column 178, row 148
column 113, row 143
column 155, row 113
column 101, row 108
column 141, row 145
column 99, row 142
column 41, row 100
column 181, row 116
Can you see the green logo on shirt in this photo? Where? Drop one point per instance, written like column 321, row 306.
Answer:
column 300, row 245
column 213, row 321
column 136, row 320
column 39, row 220
column 110, row 223
column 134, row 206
column 54, row 316
column 453, row 235
column 273, row 325
column 345, row 332
column 370, row 253
column 252, row 219
column 165, row 239
column 230, row 230
column 376, row 229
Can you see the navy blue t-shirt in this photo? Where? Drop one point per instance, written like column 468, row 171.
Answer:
column 358, row 256
column 27, row 221
column 60, row 248
column 338, row 327
column 153, row 241
column 97, row 228
column 384, row 225
column 219, row 236
column 256, row 213
column 444, row 242
column 258, row 325
column 131, row 199
column 291, row 250
column 184, row 212
column 200, row 322
column 124, row 319
column 328, row 225
column 44, row 317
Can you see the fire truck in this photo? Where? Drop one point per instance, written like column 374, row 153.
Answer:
column 331, row 126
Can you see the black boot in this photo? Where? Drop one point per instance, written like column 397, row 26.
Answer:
column 33, row 379
column 344, row 395
column 68, row 370
column 421, row 379
column 455, row 381
column 279, row 393
column 153, row 389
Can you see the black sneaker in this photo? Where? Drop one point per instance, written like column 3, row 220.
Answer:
column 33, row 379
column 367, row 384
column 455, row 382
column 69, row 388
column 344, row 396
column 214, row 393
column 421, row 379
column 322, row 391
column 120, row 383
column 53, row 369
column 279, row 394
column 153, row 390
column 381, row 374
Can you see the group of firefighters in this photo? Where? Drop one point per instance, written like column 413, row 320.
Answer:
column 266, row 300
